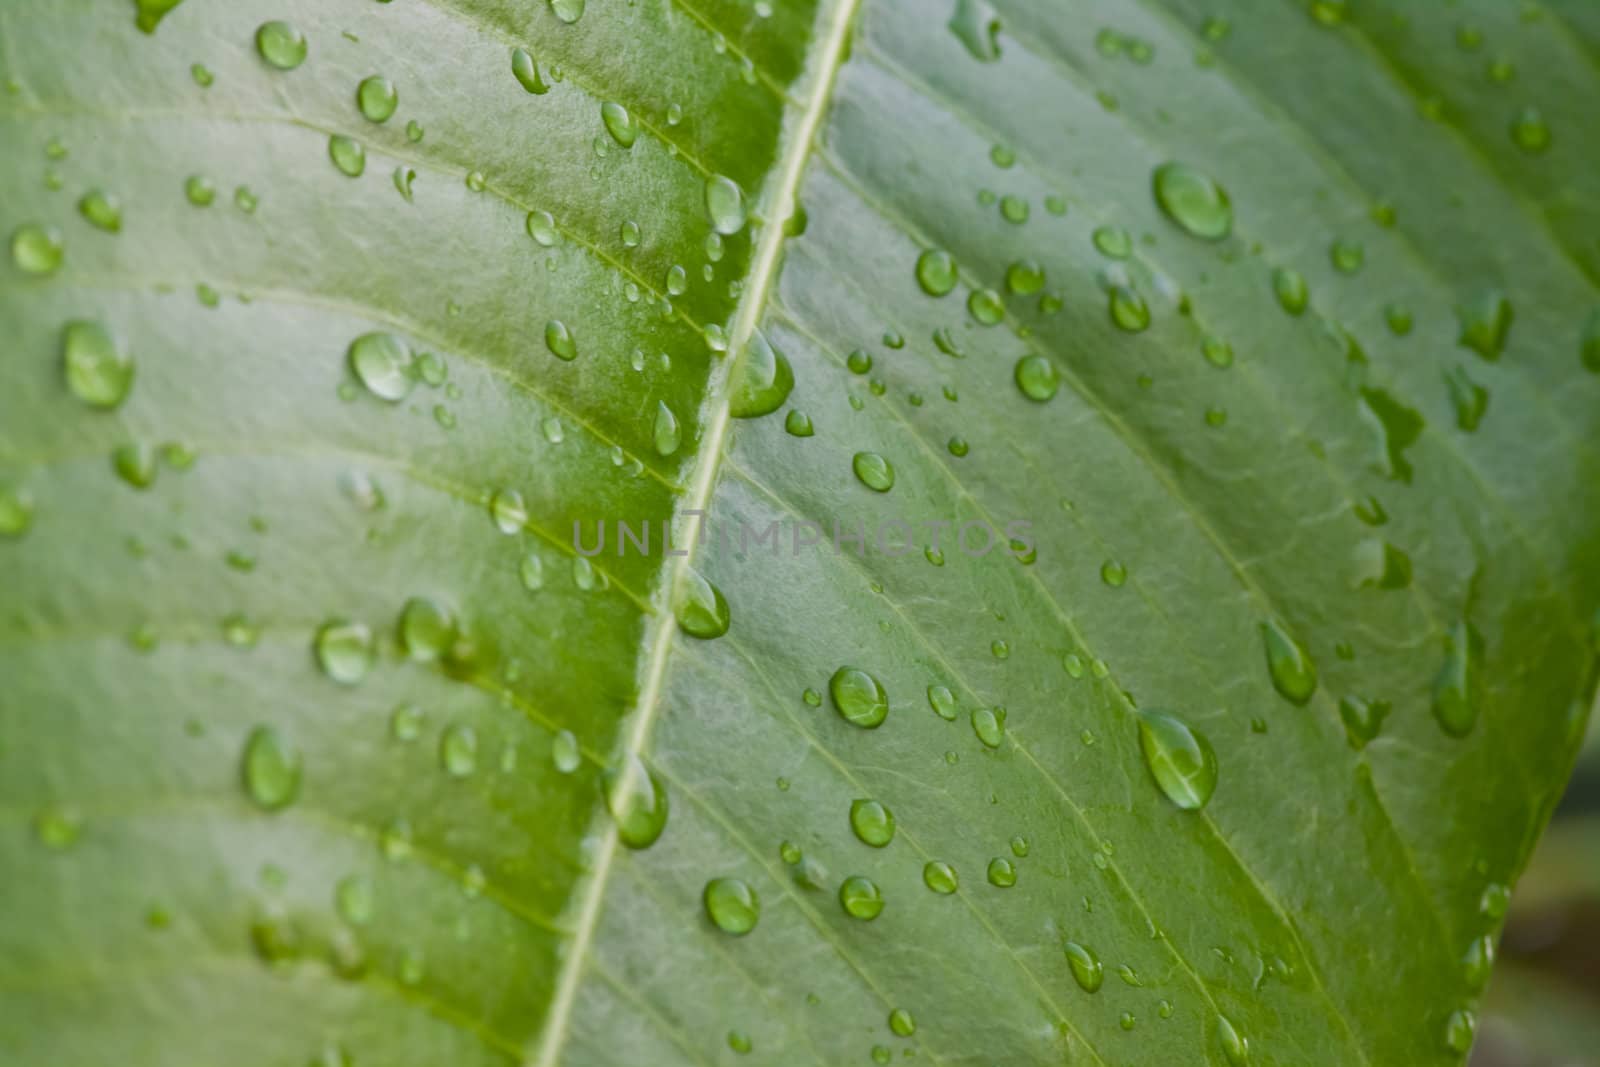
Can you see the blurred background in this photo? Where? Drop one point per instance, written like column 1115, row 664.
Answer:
column 1543, row 1004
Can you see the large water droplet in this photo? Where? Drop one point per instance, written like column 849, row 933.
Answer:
column 382, row 363
column 1179, row 757
column 872, row 822
column 637, row 802
column 1459, row 1031
column 508, row 510
column 666, row 433
column 943, row 702
column 619, row 124
column 732, row 905
column 377, row 98
column 764, row 382
column 568, row 11
column 1193, row 200
column 97, row 372
column 724, row 204
column 1293, row 673
column 1128, row 310
column 858, row 697
column 1086, row 967
column 344, row 650
column 1002, row 873
column 281, row 45
column 861, row 898
column 699, row 606
column 1456, row 695
column 271, row 769
column 989, row 724
column 347, row 154
column 101, row 210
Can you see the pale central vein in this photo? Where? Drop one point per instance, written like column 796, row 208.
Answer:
column 763, row 270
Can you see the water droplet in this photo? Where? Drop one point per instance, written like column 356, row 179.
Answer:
column 1019, row 846
column 873, row 471
column 564, row 752
column 414, row 131
column 508, row 510
column 977, row 26
column 1002, row 873
column 637, row 802
column 1347, row 256
column 1470, row 399
column 542, row 228
column 1362, row 718
column 355, row 899
column 245, row 200
column 989, row 724
column 724, row 204
column 58, row 829
column 1037, row 377
column 1113, row 573
column 699, row 606
column 1128, row 310
column 668, row 435
column 1529, row 130
column 1086, row 968
column 765, row 380
column 1459, row 1031
column 861, row 898
column 943, row 702
column 872, row 822
column 940, row 877
column 798, row 424
column 559, row 340
column 97, row 373
column 458, row 751
column 1179, row 757
column 1381, row 565
column 348, row 155
column 1398, row 428
column 1025, row 277
column 619, row 124
column 281, row 45
column 936, row 272
column 1398, row 318
column 377, row 98
column 1193, row 200
column 344, row 650
column 382, row 363
column 37, row 249
column 271, row 769
column 427, row 630
column 1293, row 673
column 732, row 905
column 985, row 307
column 101, row 210
column 404, row 176
column 568, row 11
column 1235, row 1046
column 1456, row 695
column 858, row 697
column 1113, row 241
column 1291, row 290
column 1485, row 322
column 1477, row 962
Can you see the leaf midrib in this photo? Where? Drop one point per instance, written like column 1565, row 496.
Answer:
column 779, row 201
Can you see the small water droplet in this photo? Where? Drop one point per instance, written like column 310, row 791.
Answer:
column 619, row 124
column 382, row 363
column 458, row 751
column 348, row 155
column 861, row 898
column 977, row 26
column 989, row 724
column 858, row 697
column 1037, row 377
column 985, row 307
column 377, row 98
column 873, row 471
column 1193, row 200
column 1235, row 1046
column 1456, row 688
column 699, row 606
column 637, row 802
column 58, row 829
column 724, row 204
column 281, row 45
column 872, row 822
column 508, row 510
column 798, row 424
column 271, row 768
column 1291, row 290
column 1293, row 673
column 1485, row 321
column 37, row 249
column 943, row 702
column 1477, row 962
column 568, row 11
column 1362, row 718
column 564, row 752
column 1128, row 310
column 764, row 381
column 1529, row 131
column 940, row 877
column 101, row 210
column 542, row 228
column 559, row 340
column 1113, row 573
column 97, row 372
column 405, row 722
column 1347, row 256
column 404, row 176
column 1085, row 965
column 344, row 650
column 1459, row 1031
column 1002, row 873
column 426, row 629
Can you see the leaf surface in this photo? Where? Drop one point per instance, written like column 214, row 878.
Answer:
column 1253, row 710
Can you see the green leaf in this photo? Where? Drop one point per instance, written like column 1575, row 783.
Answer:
column 1254, row 342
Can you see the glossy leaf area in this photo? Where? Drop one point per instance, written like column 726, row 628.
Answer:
column 244, row 822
